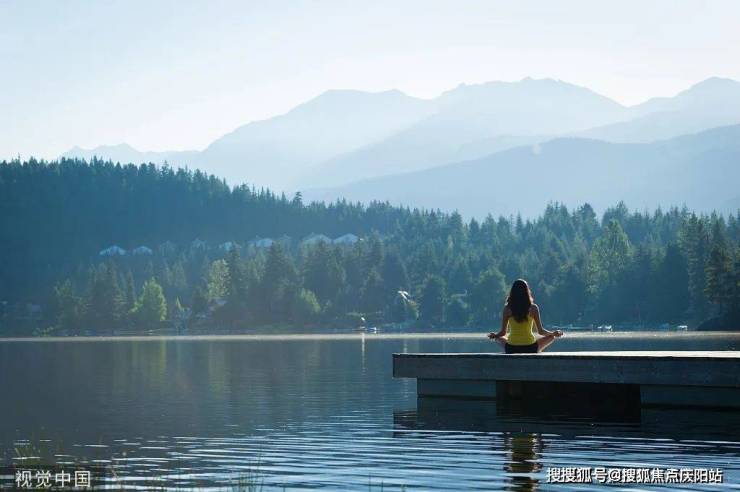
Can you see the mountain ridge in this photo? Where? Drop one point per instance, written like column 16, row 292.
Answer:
column 690, row 169
column 344, row 135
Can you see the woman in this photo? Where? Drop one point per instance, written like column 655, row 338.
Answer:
column 520, row 313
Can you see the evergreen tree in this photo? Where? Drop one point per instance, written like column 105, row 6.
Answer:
column 218, row 281
column 394, row 275
column 69, row 308
column 107, row 303
column 460, row 279
column 610, row 254
column 457, row 312
column 671, row 293
column 374, row 253
column 199, row 302
column 719, row 278
column 474, row 231
column 695, row 243
column 151, row 309
column 130, row 292
column 626, row 267
column 305, row 307
column 488, row 296
column 433, row 300
column 178, row 278
column 236, row 279
column 322, row 273
column 734, row 288
column 373, row 293
column 637, row 302
column 277, row 285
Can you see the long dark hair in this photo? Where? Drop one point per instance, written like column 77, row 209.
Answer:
column 520, row 300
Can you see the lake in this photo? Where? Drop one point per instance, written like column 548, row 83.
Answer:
column 323, row 412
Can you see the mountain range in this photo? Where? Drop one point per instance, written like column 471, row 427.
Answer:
column 568, row 142
column 701, row 171
column 126, row 153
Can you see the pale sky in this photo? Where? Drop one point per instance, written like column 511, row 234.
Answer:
column 175, row 75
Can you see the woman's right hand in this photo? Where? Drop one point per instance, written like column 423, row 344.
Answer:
column 492, row 335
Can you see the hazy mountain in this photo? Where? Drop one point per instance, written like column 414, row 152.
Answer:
column 124, row 153
column 273, row 152
column 712, row 103
column 474, row 120
column 694, row 170
column 344, row 136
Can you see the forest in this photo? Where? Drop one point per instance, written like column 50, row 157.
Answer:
column 98, row 247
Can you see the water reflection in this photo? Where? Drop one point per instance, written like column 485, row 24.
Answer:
column 321, row 412
column 438, row 413
column 532, row 441
column 524, row 450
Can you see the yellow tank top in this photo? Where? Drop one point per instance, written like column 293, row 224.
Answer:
column 520, row 332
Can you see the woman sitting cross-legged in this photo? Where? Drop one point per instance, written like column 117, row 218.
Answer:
column 520, row 314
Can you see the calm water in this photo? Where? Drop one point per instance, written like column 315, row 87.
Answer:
column 325, row 413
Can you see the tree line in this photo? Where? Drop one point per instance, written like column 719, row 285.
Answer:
column 418, row 267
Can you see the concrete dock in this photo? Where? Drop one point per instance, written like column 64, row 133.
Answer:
column 682, row 379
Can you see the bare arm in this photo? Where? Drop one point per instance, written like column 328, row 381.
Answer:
column 504, row 322
column 535, row 312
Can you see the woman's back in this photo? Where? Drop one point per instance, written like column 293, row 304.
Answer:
column 520, row 340
column 520, row 332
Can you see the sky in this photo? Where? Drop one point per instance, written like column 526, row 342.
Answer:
column 176, row 75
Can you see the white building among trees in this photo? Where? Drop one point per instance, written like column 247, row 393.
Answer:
column 142, row 250
column 264, row 242
column 113, row 251
column 313, row 239
column 198, row 244
column 227, row 246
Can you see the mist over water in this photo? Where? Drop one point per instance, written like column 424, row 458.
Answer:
column 325, row 412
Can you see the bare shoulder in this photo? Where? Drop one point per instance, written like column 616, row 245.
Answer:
column 534, row 309
column 507, row 310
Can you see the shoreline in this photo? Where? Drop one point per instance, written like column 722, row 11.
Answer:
column 356, row 336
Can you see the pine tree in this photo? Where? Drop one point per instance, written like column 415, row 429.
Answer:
column 460, row 279
column 488, row 296
column 393, row 272
column 236, row 282
column 433, row 300
column 374, row 253
column 179, row 279
column 277, row 285
column 199, row 301
column 130, row 292
column 695, row 244
column 107, row 303
column 322, row 273
column 373, row 293
column 69, row 308
column 735, row 285
column 671, row 294
column 610, row 255
column 719, row 287
column 457, row 312
column 569, row 297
